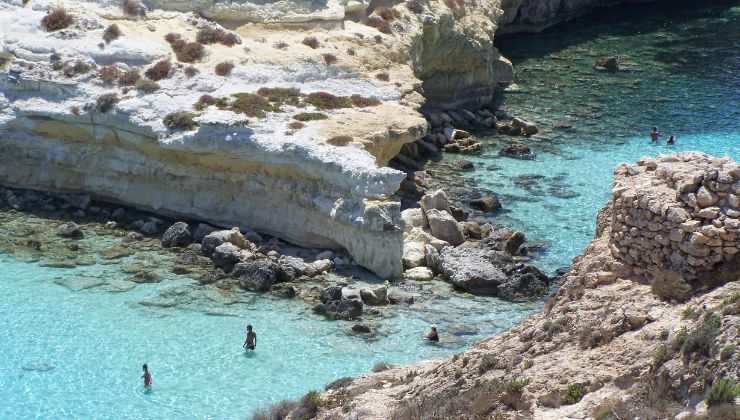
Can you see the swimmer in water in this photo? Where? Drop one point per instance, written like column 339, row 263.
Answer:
column 147, row 377
column 250, row 342
column 654, row 134
column 432, row 335
column 671, row 140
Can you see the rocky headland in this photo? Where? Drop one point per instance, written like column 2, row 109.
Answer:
column 646, row 323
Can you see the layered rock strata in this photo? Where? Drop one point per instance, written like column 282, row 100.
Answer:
column 605, row 346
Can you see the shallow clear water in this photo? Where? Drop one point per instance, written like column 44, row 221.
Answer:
column 78, row 354
column 685, row 80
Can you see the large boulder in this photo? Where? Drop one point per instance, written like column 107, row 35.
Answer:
column 177, row 235
column 444, row 227
column 412, row 218
column 435, row 200
column 292, row 267
column 258, row 275
column 488, row 203
column 418, row 274
column 340, row 303
column 485, row 272
column 70, row 230
column 214, row 239
column 225, row 256
column 414, row 254
column 374, row 296
column 203, row 230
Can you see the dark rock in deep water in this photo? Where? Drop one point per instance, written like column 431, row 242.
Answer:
column 488, row 203
column 517, row 150
column 177, row 235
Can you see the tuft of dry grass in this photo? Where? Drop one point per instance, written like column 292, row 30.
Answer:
column 296, row 125
column 57, row 18
column 188, row 52
column 280, row 45
column 310, row 116
column 160, row 70
column 351, row 51
column 379, row 23
column 311, row 41
column 325, row 100
column 111, row 33
column 78, row 67
column 383, row 77
column 224, row 68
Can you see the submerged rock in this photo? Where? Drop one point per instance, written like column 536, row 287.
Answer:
column 70, row 230
column 487, row 203
column 79, row 283
column 517, row 150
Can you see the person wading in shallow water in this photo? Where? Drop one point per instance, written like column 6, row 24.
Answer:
column 147, row 376
column 251, row 341
column 432, row 335
column 671, row 140
column 654, row 134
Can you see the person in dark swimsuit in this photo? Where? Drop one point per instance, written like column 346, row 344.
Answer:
column 671, row 140
column 251, row 341
column 654, row 134
column 147, row 377
column 432, row 335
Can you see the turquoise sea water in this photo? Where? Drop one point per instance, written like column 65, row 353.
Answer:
column 684, row 78
column 78, row 354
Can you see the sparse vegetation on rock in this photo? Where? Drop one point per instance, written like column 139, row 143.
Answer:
column 296, row 125
column 723, row 391
column 383, row 77
column 133, row 8
column 573, row 394
column 340, row 140
column 281, row 96
column 363, row 102
column 251, row 105
column 129, row 78
column 190, row 71
column 329, row 59
column 379, row 23
column 146, row 86
column 57, row 19
column 106, row 102
column 180, row 121
column 207, row 36
column 310, row 116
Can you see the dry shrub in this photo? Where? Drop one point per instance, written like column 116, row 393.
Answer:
column 106, row 102
column 111, row 33
column 57, row 18
column 180, row 121
column 207, row 100
column 329, row 59
column 129, row 78
column 78, row 67
column 280, row 45
column 378, row 39
column 224, row 69
column 159, row 71
column 109, row 74
column 351, row 51
column 363, row 102
column 188, row 52
column 191, row 71
column 383, row 77
column 147, row 86
column 172, row 37
column 75, row 110
column 379, row 23
column 325, row 100
column 281, row 96
column 311, row 41
column 296, row 125
column 133, row 8
column 230, row 39
column 210, row 35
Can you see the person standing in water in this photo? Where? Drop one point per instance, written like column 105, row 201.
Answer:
column 432, row 335
column 654, row 134
column 251, row 341
column 147, row 376
column 671, row 140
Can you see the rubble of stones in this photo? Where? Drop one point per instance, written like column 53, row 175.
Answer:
column 479, row 259
column 680, row 213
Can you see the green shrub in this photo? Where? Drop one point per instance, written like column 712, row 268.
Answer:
column 160, row 70
column 129, row 78
column 111, row 33
column 251, row 105
column 106, row 102
column 680, row 338
column 224, row 68
column 689, row 312
column 310, row 116
column 180, row 121
column 723, row 391
column 188, row 52
column 310, row 41
column 701, row 340
column 574, row 394
column 281, row 96
column 661, row 355
column 325, row 100
column 528, row 363
column 147, row 86
column 517, row 385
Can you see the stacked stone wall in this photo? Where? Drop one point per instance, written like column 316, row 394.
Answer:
column 678, row 213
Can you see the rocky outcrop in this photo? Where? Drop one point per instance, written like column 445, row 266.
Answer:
column 226, row 167
column 606, row 345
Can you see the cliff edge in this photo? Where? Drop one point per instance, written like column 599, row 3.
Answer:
column 620, row 339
